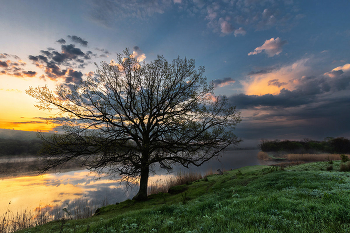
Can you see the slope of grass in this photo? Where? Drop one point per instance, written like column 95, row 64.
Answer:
column 304, row 198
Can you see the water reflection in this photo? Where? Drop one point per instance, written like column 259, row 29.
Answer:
column 79, row 189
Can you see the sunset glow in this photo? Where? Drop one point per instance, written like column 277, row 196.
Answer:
column 38, row 193
column 278, row 57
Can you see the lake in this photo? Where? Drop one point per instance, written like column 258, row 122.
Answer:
column 81, row 190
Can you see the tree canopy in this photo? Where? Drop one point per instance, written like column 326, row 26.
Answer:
column 131, row 115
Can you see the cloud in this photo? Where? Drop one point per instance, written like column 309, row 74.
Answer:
column 226, row 27
column 223, row 82
column 257, row 82
column 258, row 15
column 271, row 47
column 14, row 67
column 262, row 71
column 336, row 72
column 308, row 106
column 240, row 31
column 63, row 65
column 3, row 64
column 29, row 73
column 138, row 54
column 78, row 39
column 61, row 41
column 73, row 76
column 71, row 51
column 106, row 12
column 275, row 82
column 105, row 53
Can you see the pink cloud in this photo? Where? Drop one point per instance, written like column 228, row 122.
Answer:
column 271, row 47
column 240, row 31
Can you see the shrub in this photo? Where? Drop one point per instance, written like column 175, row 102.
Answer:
column 345, row 167
column 329, row 168
column 344, row 158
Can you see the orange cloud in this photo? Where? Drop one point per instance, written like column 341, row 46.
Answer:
column 274, row 81
column 210, row 97
column 28, row 125
column 91, row 73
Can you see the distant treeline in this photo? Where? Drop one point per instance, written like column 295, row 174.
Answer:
column 338, row 145
column 19, row 147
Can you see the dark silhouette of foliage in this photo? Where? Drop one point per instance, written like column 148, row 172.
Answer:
column 20, row 147
column 133, row 115
column 330, row 145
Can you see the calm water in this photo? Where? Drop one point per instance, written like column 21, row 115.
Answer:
column 81, row 187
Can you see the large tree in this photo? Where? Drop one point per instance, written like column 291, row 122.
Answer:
column 132, row 115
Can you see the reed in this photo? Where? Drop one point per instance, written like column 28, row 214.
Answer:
column 263, row 155
column 77, row 209
column 313, row 157
column 179, row 179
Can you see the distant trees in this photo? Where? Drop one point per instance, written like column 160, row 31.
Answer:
column 330, row 145
column 20, row 147
column 133, row 115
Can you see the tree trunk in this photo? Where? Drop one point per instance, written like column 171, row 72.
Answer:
column 142, row 194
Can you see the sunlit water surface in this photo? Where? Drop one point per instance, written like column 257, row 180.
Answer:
column 54, row 192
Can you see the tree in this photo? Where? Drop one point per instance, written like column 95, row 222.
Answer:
column 132, row 115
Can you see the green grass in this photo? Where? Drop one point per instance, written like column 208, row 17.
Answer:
column 303, row 198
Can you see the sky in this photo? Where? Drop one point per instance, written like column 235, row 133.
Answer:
column 285, row 64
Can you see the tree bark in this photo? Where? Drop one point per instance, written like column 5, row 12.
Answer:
column 142, row 194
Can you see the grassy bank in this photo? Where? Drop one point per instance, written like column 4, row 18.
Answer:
column 309, row 197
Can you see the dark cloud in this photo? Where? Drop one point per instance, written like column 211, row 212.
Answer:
column 72, row 51
column 38, row 58
column 46, row 53
column 275, row 82
column 15, row 68
column 79, row 40
column 29, row 73
column 74, row 77
column 88, row 55
column 283, row 100
column 318, row 107
column 59, row 57
column 61, row 41
column 306, row 92
column 262, row 71
column 53, row 71
column 222, row 82
column 316, row 121
column 105, row 53
column 62, row 64
column 3, row 64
